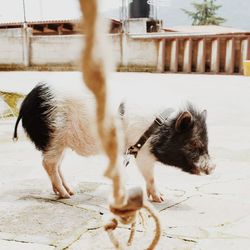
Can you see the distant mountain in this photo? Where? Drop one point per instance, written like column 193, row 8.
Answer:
column 237, row 13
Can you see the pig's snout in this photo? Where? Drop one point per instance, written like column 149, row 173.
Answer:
column 203, row 166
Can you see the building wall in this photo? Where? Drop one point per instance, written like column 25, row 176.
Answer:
column 55, row 49
column 116, row 46
column 11, row 46
column 141, row 52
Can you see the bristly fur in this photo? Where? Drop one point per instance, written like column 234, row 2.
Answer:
column 37, row 112
column 181, row 148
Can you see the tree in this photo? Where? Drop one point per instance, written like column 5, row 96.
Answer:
column 205, row 13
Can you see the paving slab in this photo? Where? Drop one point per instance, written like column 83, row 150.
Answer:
column 199, row 212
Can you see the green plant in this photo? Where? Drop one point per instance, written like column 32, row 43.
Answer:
column 205, row 13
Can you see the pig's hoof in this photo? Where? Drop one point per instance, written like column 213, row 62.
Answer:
column 158, row 198
column 55, row 190
column 64, row 196
column 155, row 196
column 71, row 192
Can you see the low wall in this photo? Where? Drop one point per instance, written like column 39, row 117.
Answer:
column 11, row 47
column 161, row 52
column 45, row 50
column 141, row 53
column 63, row 52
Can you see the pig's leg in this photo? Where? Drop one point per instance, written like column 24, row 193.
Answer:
column 66, row 186
column 145, row 162
column 69, row 190
column 51, row 164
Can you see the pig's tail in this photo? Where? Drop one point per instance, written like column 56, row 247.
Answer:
column 15, row 137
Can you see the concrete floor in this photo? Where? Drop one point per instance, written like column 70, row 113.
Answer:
column 200, row 212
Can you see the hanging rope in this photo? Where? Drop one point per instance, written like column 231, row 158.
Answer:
column 125, row 205
column 112, row 225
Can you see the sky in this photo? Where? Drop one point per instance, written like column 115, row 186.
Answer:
column 12, row 10
column 169, row 10
column 109, row 4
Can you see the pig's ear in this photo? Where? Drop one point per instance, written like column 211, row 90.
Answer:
column 184, row 121
column 204, row 114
